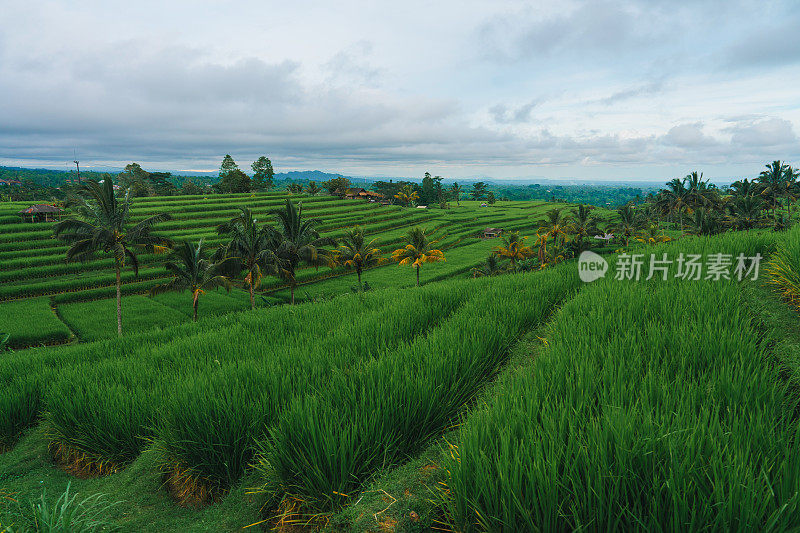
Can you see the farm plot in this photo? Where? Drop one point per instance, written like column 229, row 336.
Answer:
column 31, row 322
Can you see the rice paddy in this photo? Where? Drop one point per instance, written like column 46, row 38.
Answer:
column 524, row 402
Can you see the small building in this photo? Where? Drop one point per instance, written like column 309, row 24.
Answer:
column 491, row 233
column 422, row 207
column 353, row 192
column 41, row 213
column 371, row 196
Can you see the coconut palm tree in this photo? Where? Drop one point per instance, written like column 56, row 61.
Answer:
column 456, row 190
column 555, row 226
column 312, row 188
column 194, row 272
column 583, row 225
column 673, row 199
column 790, row 188
column 627, row 225
column 490, row 267
column 103, row 227
column 745, row 212
column 295, row 241
column 705, row 222
column 700, row 193
column 652, row 234
column 354, row 252
column 513, row 249
column 771, row 181
column 417, row 251
column 407, row 195
column 251, row 244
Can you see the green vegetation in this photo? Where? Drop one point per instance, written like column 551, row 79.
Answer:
column 493, row 391
column 31, row 322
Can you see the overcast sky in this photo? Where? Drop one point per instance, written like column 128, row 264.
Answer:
column 589, row 90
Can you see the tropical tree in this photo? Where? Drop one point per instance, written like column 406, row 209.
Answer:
column 478, row 191
column 627, row 225
column 193, row 271
column 251, row 245
column 262, row 173
column 103, row 227
column 745, row 211
column 294, row 188
column 490, row 199
column 652, row 234
column 490, row 267
column 514, row 249
column 705, row 222
column 455, row 191
column 312, row 188
column 673, row 199
column 772, row 183
column 295, row 241
column 417, row 251
column 700, row 193
column 790, row 188
column 555, row 226
column 355, row 252
column 582, row 225
column 407, row 195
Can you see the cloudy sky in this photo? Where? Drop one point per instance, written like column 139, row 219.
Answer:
column 642, row 90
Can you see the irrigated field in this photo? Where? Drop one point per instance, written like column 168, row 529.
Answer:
column 35, row 278
column 519, row 402
column 643, row 405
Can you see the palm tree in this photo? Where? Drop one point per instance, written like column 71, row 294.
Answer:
column 652, row 235
column 194, row 272
column 294, row 188
column 554, row 226
column 455, row 190
column 705, row 222
column 582, row 225
column 627, row 224
column 295, row 242
column 790, row 187
column 418, row 251
column 407, row 195
column 354, row 252
column 103, row 228
column 250, row 244
column 514, row 249
column 745, row 211
column 312, row 188
column 490, row 267
column 771, row 181
column 673, row 199
column 700, row 193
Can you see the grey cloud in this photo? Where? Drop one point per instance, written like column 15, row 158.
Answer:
column 645, row 89
column 763, row 133
column 689, row 136
column 503, row 114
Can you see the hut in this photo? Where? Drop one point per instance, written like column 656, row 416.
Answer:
column 41, row 213
column 491, row 233
column 353, row 193
column 371, row 196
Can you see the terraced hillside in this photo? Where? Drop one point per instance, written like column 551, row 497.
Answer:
column 68, row 300
column 514, row 403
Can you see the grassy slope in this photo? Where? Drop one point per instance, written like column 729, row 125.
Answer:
column 93, row 320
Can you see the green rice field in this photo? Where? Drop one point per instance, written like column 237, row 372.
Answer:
column 521, row 402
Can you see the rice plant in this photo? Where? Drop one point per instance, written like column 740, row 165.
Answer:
column 657, row 410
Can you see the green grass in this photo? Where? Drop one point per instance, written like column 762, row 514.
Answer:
column 657, row 410
column 97, row 320
column 31, row 322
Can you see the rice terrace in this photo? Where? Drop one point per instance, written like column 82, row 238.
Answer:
column 519, row 267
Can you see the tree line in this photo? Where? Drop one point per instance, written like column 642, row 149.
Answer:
column 252, row 249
